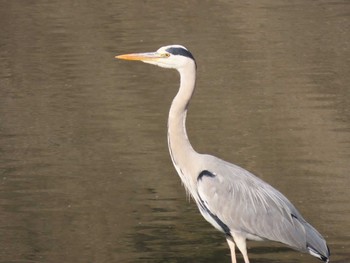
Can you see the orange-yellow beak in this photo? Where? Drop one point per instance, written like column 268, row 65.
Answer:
column 140, row 56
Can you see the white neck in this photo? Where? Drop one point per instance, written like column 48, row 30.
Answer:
column 180, row 148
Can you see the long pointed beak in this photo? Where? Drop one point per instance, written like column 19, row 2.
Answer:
column 140, row 56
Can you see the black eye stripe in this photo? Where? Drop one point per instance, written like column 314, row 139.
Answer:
column 180, row 51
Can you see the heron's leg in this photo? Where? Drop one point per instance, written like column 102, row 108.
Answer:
column 232, row 246
column 242, row 246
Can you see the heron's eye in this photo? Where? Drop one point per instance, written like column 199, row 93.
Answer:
column 165, row 55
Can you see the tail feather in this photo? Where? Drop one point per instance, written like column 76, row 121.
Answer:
column 317, row 254
column 316, row 244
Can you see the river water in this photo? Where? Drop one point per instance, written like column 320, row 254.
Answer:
column 85, row 174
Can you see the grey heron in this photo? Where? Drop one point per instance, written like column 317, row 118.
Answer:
column 232, row 199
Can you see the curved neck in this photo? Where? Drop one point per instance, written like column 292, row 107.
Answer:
column 179, row 145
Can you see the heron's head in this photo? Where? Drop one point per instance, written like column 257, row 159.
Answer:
column 173, row 56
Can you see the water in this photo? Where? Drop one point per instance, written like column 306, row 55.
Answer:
column 85, row 171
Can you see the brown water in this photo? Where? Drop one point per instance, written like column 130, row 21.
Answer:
column 85, row 174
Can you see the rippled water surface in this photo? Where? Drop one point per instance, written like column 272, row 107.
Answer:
column 85, row 174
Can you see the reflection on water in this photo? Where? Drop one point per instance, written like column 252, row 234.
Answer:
column 85, row 171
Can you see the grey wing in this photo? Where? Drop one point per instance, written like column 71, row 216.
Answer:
column 252, row 208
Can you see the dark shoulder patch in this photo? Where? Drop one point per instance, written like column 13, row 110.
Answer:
column 205, row 173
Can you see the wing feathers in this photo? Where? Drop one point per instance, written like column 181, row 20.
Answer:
column 251, row 207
